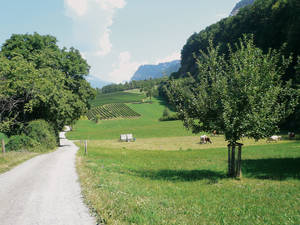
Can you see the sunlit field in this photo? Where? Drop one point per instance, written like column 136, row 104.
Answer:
column 127, row 186
column 167, row 177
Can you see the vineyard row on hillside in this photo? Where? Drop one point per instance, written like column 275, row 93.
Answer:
column 111, row 111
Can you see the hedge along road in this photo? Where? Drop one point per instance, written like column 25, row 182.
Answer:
column 44, row 191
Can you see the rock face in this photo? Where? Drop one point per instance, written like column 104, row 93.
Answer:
column 240, row 5
column 145, row 72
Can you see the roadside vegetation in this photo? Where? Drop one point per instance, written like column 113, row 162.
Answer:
column 9, row 160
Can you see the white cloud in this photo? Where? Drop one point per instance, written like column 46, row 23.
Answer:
column 79, row 7
column 111, row 4
column 104, row 44
column 169, row 58
column 125, row 68
column 91, row 23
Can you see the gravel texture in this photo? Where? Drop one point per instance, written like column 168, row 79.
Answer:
column 44, row 191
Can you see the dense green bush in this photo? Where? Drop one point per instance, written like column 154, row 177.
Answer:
column 21, row 142
column 42, row 132
column 38, row 136
column 167, row 116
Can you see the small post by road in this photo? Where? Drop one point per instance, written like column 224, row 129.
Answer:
column 85, row 147
column 3, row 146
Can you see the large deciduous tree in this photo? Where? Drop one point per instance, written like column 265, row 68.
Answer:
column 38, row 80
column 242, row 95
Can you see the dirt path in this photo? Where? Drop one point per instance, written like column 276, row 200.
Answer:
column 44, row 191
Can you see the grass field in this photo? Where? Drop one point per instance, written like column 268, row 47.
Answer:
column 125, row 186
column 167, row 177
column 118, row 97
column 146, row 126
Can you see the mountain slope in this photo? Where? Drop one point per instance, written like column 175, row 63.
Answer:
column 272, row 23
column 240, row 5
column 146, row 72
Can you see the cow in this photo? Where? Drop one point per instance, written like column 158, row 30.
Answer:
column 291, row 135
column 274, row 138
column 204, row 139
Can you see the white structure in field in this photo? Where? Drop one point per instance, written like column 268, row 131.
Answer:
column 127, row 137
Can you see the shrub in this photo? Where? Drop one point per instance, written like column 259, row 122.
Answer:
column 21, row 142
column 169, row 118
column 166, row 112
column 42, row 132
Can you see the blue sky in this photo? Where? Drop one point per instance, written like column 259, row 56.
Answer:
column 115, row 36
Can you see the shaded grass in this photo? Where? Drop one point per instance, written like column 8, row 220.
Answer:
column 11, row 159
column 190, row 187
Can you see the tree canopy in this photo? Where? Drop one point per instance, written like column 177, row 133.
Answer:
column 38, row 80
column 241, row 96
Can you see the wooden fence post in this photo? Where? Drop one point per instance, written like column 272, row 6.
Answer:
column 85, row 147
column 3, row 146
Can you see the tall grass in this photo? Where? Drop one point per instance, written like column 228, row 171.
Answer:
column 9, row 160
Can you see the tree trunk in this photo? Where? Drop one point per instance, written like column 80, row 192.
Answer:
column 3, row 146
column 234, row 166
column 239, row 162
column 229, row 161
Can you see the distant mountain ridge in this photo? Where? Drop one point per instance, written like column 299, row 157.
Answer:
column 240, row 5
column 145, row 72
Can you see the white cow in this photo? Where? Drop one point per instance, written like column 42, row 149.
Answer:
column 274, row 138
column 204, row 139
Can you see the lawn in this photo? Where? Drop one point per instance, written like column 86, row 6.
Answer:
column 146, row 126
column 126, row 186
column 117, row 97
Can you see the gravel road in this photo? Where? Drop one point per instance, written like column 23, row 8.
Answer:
column 44, row 191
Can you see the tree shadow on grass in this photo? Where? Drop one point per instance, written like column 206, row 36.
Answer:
column 272, row 169
column 181, row 175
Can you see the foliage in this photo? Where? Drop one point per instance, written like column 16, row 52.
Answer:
column 41, row 132
column 38, row 136
column 242, row 96
column 41, row 81
column 21, row 143
column 167, row 116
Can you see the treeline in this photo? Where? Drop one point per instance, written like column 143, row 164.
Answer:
column 272, row 22
column 40, row 82
column 134, row 84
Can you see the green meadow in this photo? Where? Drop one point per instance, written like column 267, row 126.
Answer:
column 167, row 177
column 125, row 186
column 145, row 126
